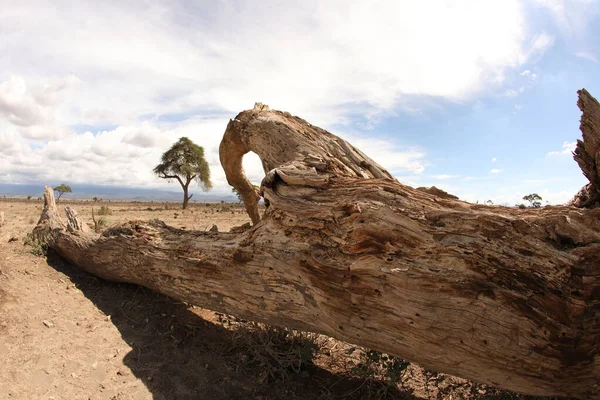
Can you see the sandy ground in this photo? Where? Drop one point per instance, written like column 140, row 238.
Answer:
column 65, row 334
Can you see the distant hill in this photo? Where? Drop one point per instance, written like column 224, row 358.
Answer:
column 111, row 193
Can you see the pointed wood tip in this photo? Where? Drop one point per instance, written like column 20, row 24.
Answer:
column 49, row 219
column 258, row 107
column 50, row 210
column 49, row 197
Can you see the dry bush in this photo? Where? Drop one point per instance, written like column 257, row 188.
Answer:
column 100, row 223
column 104, row 210
column 38, row 248
column 275, row 354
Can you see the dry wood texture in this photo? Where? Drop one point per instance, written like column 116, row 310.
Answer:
column 587, row 152
column 500, row 295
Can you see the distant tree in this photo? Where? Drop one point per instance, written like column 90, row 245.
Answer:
column 238, row 195
column 185, row 162
column 62, row 189
column 95, row 198
column 534, row 199
column 489, row 202
column 28, row 197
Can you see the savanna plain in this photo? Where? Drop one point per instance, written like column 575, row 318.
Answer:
column 65, row 334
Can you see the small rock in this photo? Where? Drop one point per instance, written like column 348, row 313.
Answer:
column 214, row 228
column 48, row 324
column 13, row 239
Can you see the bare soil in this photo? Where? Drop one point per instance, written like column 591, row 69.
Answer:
column 65, row 334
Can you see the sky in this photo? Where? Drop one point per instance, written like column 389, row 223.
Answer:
column 477, row 97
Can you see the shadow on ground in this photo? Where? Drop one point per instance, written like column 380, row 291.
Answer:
column 179, row 355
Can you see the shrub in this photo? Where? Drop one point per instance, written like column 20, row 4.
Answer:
column 383, row 372
column 274, row 353
column 100, row 222
column 38, row 248
column 104, row 210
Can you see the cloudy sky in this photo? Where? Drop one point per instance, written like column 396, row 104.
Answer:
column 474, row 96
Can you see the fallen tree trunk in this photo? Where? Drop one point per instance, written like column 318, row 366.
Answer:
column 500, row 295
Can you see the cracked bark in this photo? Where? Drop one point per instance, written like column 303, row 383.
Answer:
column 499, row 295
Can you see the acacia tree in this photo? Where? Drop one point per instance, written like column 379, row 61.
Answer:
column 534, row 199
column 185, row 162
column 62, row 189
column 239, row 195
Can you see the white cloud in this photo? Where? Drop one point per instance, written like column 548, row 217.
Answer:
column 19, row 105
column 494, row 159
column 528, row 74
column 495, row 171
column 568, row 148
column 571, row 16
column 444, row 176
column 32, row 108
column 588, row 56
column 389, row 155
column 410, row 180
column 542, row 42
column 136, row 67
column 123, row 156
column 147, row 136
column 312, row 55
column 9, row 142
